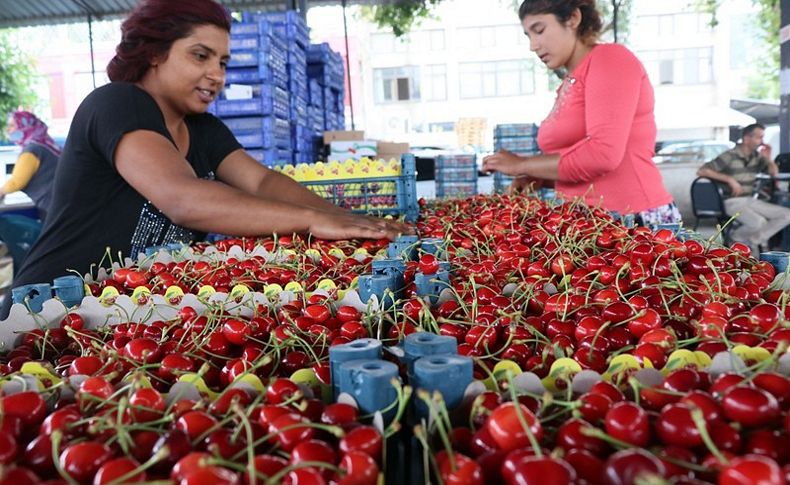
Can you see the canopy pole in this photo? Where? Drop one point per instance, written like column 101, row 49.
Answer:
column 90, row 39
column 348, row 67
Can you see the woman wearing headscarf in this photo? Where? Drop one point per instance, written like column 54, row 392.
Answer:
column 34, row 170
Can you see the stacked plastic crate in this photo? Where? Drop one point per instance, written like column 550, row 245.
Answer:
column 456, row 175
column 326, row 83
column 291, row 26
column 261, row 123
column 519, row 138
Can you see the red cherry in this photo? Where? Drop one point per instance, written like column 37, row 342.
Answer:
column 752, row 470
column 117, row 468
column 236, row 331
column 534, row 470
column 506, row 429
column 147, row 404
column 290, row 430
column 210, row 475
column 82, row 460
column 428, row 264
column 467, row 470
column 195, row 423
column 750, row 406
column 366, row 439
column 189, row 463
column 339, row 414
column 628, row 422
column 282, row 390
column 627, row 466
column 359, row 468
column 266, row 465
column 675, row 426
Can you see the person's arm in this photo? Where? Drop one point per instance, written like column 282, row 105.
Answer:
column 713, row 171
column 25, row 168
column 243, row 172
column 154, row 168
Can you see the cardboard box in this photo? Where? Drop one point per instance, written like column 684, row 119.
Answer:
column 330, row 136
column 388, row 150
column 354, row 150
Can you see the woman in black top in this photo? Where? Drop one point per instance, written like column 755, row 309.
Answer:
column 145, row 165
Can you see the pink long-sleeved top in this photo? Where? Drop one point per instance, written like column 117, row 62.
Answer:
column 603, row 128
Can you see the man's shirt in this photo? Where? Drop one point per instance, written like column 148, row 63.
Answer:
column 743, row 169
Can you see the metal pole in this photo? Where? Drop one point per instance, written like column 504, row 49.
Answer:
column 90, row 38
column 615, row 8
column 784, row 79
column 348, row 67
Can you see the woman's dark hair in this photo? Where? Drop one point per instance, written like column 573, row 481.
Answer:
column 151, row 29
column 591, row 23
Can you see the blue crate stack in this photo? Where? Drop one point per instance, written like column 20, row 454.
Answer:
column 262, row 124
column 326, row 88
column 456, row 175
column 291, row 26
column 519, row 138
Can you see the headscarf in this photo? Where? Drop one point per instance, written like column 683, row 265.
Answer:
column 34, row 130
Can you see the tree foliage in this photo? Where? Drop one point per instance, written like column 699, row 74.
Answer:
column 17, row 78
column 399, row 16
column 764, row 83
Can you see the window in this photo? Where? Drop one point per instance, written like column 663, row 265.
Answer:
column 394, row 84
column 422, row 39
column 490, row 36
column 436, row 38
column 434, row 82
column 679, row 66
column 497, row 78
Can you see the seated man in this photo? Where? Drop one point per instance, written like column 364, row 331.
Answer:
column 738, row 168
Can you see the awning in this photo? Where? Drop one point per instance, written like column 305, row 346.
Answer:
column 763, row 111
column 20, row 13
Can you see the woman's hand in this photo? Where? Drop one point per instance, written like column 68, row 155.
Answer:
column 504, row 162
column 345, row 225
column 520, row 184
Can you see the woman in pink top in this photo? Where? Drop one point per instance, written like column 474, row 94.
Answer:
column 598, row 141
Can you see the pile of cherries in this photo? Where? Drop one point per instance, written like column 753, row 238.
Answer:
column 530, row 283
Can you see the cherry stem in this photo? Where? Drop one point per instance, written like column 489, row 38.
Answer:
column 155, row 458
column 439, row 423
column 699, row 421
column 523, row 420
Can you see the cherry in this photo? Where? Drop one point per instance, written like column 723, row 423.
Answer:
column 304, row 476
column 506, row 429
column 189, row 463
column 314, row 451
column 82, row 460
column 536, row 470
column 195, row 423
column 752, row 470
column 147, row 404
column 467, row 470
column 236, row 331
column 628, row 422
column 117, row 468
column 359, row 468
column 288, row 431
column 571, row 436
column 776, row 384
column 88, row 365
column 282, row 390
column 8, row 448
column 339, row 414
column 675, row 426
column 366, row 439
column 629, row 466
column 266, row 465
column 210, row 475
column 28, row 406
column 588, row 467
column 750, row 406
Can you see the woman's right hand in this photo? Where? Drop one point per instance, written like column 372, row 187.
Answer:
column 520, row 184
column 346, row 225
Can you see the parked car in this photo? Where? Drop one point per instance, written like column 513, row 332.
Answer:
column 696, row 152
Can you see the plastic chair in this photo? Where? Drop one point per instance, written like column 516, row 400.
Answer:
column 19, row 233
column 707, row 202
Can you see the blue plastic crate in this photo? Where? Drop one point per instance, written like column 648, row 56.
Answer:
column 275, row 58
column 261, row 139
column 304, row 157
column 319, row 53
column 466, row 161
column 297, row 57
column 515, row 130
column 395, row 195
column 268, row 100
column 279, row 127
column 298, row 107
column 260, row 27
column 272, row 157
column 288, row 24
column 455, row 189
column 263, row 73
column 525, row 146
